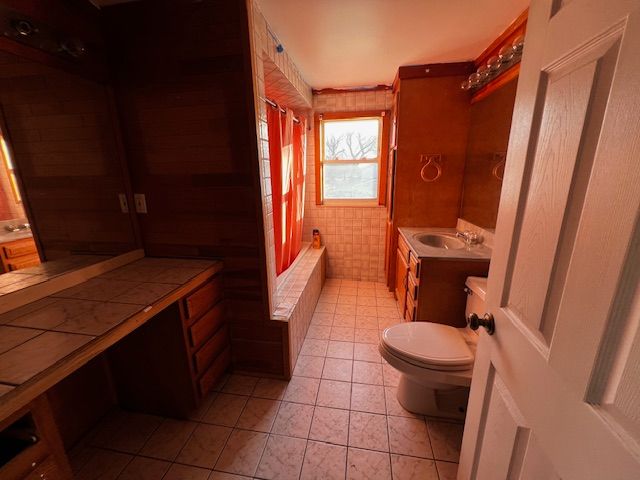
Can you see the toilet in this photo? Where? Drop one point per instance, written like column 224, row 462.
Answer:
column 435, row 360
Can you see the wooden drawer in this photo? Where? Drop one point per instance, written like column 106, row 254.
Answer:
column 26, row 261
column 401, row 296
column 47, row 470
column 19, row 248
column 414, row 268
column 204, row 298
column 211, row 349
column 412, row 288
column 214, row 372
column 206, row 326
column 26, row 462
column 403, row 246
column 410, row 312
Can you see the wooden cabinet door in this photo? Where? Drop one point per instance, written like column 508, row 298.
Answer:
column 401, row 280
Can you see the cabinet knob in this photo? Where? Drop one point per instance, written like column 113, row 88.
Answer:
column 487, row 321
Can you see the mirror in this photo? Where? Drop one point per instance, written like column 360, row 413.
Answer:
column 486, row 155
column 62, row 173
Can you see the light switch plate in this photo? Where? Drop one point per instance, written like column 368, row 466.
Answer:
column 124, row 205
column 141, row 202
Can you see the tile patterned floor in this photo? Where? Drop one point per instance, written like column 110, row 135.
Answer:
column 338, row 417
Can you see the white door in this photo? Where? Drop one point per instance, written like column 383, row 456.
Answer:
column 556, row 389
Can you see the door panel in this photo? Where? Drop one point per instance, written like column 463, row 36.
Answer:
column 503, row 432
column 565, row 111
column 556, row 390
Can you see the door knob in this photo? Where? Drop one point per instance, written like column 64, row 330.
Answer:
column 486, row 321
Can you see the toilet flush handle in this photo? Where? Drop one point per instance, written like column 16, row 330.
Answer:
column 486, row 321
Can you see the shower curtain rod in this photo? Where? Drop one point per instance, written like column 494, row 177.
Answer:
column 275, row 105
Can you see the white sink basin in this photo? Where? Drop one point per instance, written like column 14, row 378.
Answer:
column 440, row 240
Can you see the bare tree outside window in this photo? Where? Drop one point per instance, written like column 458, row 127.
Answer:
column 351, row 158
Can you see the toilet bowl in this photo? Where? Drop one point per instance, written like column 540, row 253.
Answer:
column 435, row 361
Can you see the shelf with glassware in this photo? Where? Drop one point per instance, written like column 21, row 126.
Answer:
column 499, row 63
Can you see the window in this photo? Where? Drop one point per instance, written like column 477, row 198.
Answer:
column 351, row 158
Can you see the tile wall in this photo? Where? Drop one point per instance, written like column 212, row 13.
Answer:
column 263, row 50
column 297, row 295
column 293, row 295
column 353, row 236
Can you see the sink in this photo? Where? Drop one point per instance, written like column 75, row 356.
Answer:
column 441, row 240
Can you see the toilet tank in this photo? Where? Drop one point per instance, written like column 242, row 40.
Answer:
column 476, row 291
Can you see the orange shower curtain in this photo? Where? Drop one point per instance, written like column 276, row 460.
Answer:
column 287, row 145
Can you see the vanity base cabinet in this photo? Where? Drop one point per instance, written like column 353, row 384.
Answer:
column 31, row 445
column 167, row 366
column 437, row 293
column 432, row 290
column 18, row 254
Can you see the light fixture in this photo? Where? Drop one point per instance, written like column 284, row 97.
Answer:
column 507, row 57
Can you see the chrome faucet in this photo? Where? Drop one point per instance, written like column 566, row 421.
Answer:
column 17, row 228
column 469, row 237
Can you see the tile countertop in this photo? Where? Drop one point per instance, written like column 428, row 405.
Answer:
column 6, row 236
column 476, row 252
column 38, row 335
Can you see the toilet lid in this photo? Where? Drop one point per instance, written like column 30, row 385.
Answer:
column 429, row 343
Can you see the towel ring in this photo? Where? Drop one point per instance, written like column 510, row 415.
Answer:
column 501, row 163
column 431, row 161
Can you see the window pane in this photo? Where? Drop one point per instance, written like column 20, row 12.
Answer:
column 351, row 139
column 351, row 181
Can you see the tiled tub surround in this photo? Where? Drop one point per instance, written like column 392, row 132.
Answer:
column 298, row 294
column 354, row 236
column 265, row 60
column 99, row 311
column 337, row 418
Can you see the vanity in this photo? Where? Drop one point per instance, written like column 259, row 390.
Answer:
column 17, row 250
column 149, row 332
column 432, row 267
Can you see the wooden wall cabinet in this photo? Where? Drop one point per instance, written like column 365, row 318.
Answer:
column 167, row 366
column 434, row 288
column 19, row 254
column 430, row 115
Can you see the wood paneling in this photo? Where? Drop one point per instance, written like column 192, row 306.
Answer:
column 151, row 368
column 184, row 90
column 431, row 70
column 488, row 135
column 432, row 118
column 79, row 400
column 65, row 152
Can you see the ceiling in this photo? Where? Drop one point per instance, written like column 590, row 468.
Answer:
column 352, row 43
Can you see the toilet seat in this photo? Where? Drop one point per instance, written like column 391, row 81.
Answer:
column 430, row 345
